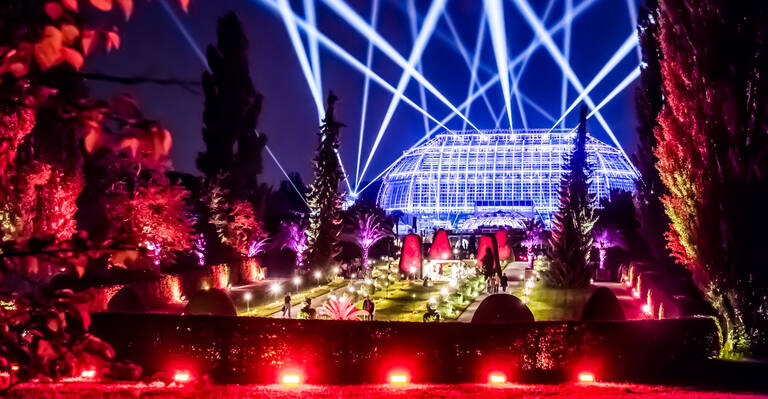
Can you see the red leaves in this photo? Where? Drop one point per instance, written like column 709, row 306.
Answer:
column 126, row 6
column 184, row 5
column 87, row 41
column 103, row 5
column 113, row 40
column 54, row 10
column 48, row 50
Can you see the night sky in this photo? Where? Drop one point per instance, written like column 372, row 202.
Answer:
column 152, row 45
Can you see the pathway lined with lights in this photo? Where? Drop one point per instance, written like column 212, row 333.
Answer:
column 512, row 268
column 318, row 301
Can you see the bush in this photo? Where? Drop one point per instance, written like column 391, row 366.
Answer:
column 502, row 308
column 602, row 305
column 214, row 302
column 256, row 350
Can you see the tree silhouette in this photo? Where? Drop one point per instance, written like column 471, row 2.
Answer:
column 571, row 240
column 324, row 197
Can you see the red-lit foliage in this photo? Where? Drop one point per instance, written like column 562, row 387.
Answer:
column 441, row 246
column 501, row 240
column 251, row 271
column 220, row 276
column 163, row 290
column 410, row 259
column 712, row 151
column 100, row 297
column 235, row 222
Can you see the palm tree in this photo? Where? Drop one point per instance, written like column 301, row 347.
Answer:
column 367, row 229
column 293, row 235
column 607, row 237
column 341, row 309
column 534, row 235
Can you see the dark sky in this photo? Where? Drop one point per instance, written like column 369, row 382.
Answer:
column 152, row 45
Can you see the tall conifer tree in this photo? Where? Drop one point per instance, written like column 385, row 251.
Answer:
column 324, row 197
column 571, row 240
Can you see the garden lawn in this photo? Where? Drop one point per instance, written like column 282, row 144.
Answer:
column 406, row 301
column 556, row 303
column 269, row 308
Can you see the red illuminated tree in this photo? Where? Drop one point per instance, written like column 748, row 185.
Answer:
column 649, row 101
column 324, row 197
column 571, row 240
column 713, row 156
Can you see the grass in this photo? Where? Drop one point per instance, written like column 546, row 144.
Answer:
column 406, row 300
column 556, row 303
column 269, row 308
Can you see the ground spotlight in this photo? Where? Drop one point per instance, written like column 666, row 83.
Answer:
column 182, row 376
column 586, row 376
column 497, row 378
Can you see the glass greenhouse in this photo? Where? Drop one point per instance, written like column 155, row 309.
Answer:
column 466, row 180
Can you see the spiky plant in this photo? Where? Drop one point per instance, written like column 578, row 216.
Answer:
column 366, row 230
column 341, row 308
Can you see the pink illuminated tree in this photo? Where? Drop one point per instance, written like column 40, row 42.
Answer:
column 367, row 229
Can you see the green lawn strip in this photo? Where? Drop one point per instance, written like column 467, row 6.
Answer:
column 556, row 303
column 406, row 301
column 272, row 307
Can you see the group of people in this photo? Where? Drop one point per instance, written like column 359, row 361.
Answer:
column 495, row 282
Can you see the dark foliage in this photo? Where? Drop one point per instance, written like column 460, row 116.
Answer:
column 324, row 197
column 602, row 305
column 571, row 240
column 213, row 302
column 502, row 308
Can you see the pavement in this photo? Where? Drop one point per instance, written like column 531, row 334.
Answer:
column 319, row 300
column 512, row 268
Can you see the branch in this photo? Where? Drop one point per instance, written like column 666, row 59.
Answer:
column 191, row 86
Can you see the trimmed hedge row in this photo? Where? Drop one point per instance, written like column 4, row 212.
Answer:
column 257, row 350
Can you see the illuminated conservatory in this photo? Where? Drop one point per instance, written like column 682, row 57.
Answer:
column 468, row 180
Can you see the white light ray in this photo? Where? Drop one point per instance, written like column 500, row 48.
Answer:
column 621, row 86
column 632, row 10
column 495, row 11
column 427, row 28
column 473, row 64
column 622, row 52
column 411, row 10
column 331, row 46
column 357, row 22
column 366, row 88
column 314, row 53
column 567, row 54
column 274, row 158
column 535, row 43
column 538, row 108
column 549, row 44
column 286, row 14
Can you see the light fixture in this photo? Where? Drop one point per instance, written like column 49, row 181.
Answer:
column 182, row 376
column 290, row 378
column 586, row 376
column 497, row 378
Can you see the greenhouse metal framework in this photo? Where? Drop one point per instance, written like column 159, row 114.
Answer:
column 463, row 180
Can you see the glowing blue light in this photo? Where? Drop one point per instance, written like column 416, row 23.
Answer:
column 457, row 176
column 621, row 86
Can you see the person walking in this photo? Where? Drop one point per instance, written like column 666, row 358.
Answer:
column 504, row 283
column 287, row 305
column 496, row 283
column 370, row 307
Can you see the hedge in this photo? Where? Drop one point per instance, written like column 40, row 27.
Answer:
column 257, row 350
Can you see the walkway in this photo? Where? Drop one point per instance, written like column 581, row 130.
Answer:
column 316, row 302
column 512, row 268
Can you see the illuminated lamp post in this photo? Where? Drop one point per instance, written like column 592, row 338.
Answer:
column 247, row 296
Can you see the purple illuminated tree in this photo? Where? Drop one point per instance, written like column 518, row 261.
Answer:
column 534, row 235
column 293, row 235
column 367, row 229
column 607, row 237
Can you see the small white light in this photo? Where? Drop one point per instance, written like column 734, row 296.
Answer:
column 297, row 280
column 318, row 274
column 443, row 291
column 247, row 296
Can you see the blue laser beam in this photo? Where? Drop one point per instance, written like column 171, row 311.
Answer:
column 366, row 88
column 527, row 12
column 314, row 53
column 427, row 28
column 567, row 54
column 495, row 12
column 619, row 55
column 411, row 10
column 359, row 24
